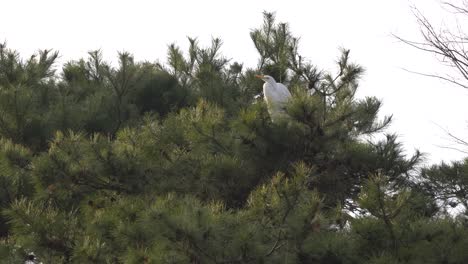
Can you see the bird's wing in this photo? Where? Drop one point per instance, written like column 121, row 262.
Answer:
column 283, row 92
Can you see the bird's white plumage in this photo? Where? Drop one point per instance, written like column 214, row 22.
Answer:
column 276, row 96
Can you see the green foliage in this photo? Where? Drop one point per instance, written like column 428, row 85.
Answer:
column 179, row 163
column 15, row 178
column 447, row 183
column 26, row 92
column 31, row 224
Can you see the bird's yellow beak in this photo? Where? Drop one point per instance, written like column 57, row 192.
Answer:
column 259, row 76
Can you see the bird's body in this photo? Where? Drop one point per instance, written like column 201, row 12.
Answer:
column 276, row 96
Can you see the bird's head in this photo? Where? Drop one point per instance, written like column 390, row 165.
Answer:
column 266, row 78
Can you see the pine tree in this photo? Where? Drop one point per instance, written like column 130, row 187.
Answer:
column 179, row 163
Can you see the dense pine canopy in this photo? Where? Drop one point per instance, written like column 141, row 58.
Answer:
column 178, row 162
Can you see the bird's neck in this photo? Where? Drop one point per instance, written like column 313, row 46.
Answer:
column 272, row 83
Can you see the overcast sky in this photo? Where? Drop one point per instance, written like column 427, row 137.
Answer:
column 419, row 104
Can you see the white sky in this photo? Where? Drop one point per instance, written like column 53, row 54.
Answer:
column 145, row 28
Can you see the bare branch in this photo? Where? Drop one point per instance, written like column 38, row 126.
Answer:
column 458, row 140
column 448, row 45
column 420, row 46
column 453, row 148
column 457, row 9
column 437, row 76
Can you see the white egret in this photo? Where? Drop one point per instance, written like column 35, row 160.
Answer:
column 276, row 96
